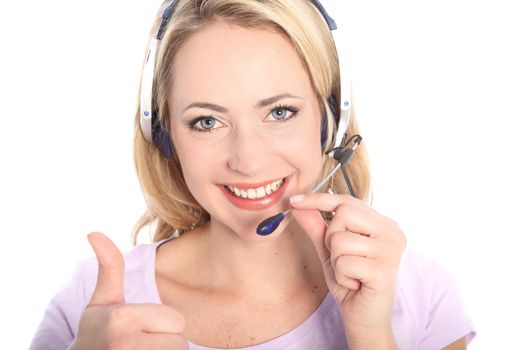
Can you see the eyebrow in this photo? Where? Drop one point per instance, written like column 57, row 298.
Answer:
column 261, row 104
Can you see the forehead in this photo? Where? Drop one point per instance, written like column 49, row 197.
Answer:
column 228, row 63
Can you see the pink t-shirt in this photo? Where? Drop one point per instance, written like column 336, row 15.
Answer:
column 427, row 314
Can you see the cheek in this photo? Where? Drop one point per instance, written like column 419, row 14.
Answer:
column 305, row 153
column 196, row 163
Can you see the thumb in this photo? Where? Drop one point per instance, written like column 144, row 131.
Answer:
column 110, row 281
column 314, row 226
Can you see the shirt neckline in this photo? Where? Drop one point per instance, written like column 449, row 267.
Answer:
column 282, row 341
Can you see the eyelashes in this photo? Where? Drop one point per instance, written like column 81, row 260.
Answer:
column 279, row 114
column 283, row 113
column 204, row 123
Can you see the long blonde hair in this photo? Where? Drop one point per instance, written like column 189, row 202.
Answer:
column 171, row 208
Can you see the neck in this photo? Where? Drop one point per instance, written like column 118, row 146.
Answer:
column 277, row 266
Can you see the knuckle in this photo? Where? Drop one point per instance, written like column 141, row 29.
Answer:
column 179, row 321
column 340, row 277
column 348, row 198
column 328, row 240
column 401, row 240
column 398, row 238
column 117, row 317
column 338, row 264
column 337, row 239
column 393, row 222
column 352, row 284
column 344, row 209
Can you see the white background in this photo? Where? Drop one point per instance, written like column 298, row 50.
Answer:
column 439, row 89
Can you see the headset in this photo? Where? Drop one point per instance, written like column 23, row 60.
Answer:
column 153, row 131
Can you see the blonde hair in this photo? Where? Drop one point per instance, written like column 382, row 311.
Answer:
column 171, row 207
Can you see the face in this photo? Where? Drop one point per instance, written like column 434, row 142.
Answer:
column 245, row 124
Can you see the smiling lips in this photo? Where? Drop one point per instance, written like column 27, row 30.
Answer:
column 255, row 197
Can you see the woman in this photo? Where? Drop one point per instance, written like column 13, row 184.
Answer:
column 244, row 110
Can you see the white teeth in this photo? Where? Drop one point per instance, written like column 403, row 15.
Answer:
column 255, row 193
column 260, row 192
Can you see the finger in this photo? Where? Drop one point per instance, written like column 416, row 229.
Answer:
column 314, row 226
column 149, row 318
column 349, row 269
column 351, row 217
column 323, row 201
column 351, row 214
column 110, row 281
column 369, row 272
column 347, row 282
column 349, row 243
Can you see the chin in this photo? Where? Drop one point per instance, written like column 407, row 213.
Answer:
column 247, row 230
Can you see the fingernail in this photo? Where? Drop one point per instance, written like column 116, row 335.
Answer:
column 297, row 198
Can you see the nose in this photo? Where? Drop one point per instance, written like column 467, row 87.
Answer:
column 249, row 153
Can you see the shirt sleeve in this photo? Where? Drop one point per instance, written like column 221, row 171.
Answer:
column 60, row 322
column 447, row 320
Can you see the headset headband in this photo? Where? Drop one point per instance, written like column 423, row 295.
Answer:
column 153, row 131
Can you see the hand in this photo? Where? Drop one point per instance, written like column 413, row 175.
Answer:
column 109, row 323
column 360, row 250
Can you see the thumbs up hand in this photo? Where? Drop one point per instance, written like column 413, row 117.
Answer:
column 109, row 323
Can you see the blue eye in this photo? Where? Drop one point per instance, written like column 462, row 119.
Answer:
column 279, row 113
column 207, row 123
column 204, row 124
column 283, row 113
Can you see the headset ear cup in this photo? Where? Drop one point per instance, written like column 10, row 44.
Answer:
column 324, row 131
column 161, row 138
column 334, row 108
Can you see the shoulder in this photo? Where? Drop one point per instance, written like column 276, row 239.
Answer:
column 139, row 278
column 418, row 263
column 62, row 315
column 418, row 271
column 421, row 280
column 428, row 301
